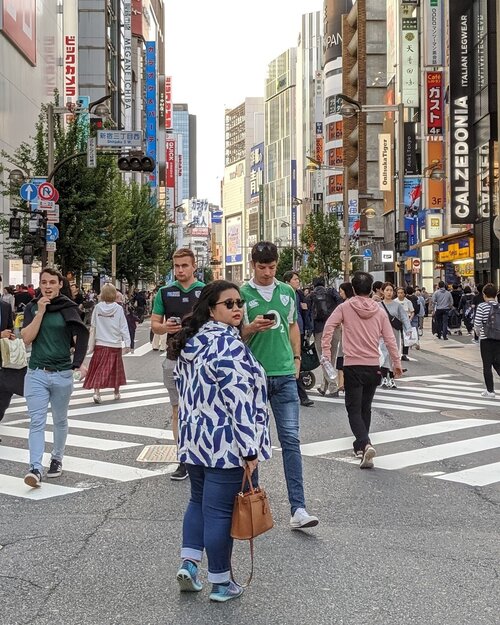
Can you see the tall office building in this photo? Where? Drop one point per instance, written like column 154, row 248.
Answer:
column 184, row 127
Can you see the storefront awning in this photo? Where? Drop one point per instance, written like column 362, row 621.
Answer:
column 447, row 237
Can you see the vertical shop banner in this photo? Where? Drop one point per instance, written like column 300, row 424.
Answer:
column 70, row 51
column 411, row 227
column 256, row 171
column 409, row 58
column 18, row 24
column 179, row 166
column 434, row 103
column 462, row 170
column 293, row 208
column 161, row 131
column 435, row 195
column 385, row 162
column 234, row 250
column 434, row 32
column 412, row 187
column 170, row 177
column 127, row 63
column 410, row 150
column 168, row 103
column 200, row 217
column 353, row 214
column 151, row 106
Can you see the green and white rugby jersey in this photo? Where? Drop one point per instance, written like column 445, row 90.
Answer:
column 272, row 348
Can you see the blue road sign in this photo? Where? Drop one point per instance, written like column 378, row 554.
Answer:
column 367, row 253
column 217, row 217
column 52, row 233
column 28, row 192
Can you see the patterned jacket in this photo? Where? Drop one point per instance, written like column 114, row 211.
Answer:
column 223, row 414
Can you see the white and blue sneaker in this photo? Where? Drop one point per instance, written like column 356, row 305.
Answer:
column 225, row 592
column 187, row 576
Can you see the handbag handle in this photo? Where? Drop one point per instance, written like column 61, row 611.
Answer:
column 247, row 477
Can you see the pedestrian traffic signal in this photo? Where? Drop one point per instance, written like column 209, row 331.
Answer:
column 136, row 163
column 15, row 228
column 96, row 123
column 402, row 243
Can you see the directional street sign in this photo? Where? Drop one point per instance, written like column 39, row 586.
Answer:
column 28, row 192
column 47, row 191
column 52, row 233
column 50, row 246
column 91, row 152
column 119, row 138
column 367, row 253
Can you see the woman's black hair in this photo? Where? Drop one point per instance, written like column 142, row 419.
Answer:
column 201, row 313
column 347, row 288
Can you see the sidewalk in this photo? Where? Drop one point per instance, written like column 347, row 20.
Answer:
column 457, row 348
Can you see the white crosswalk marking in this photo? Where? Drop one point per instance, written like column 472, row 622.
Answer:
column 390, row 436
column 113, row 437
column 477, row 476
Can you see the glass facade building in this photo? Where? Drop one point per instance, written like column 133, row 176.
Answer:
column 184, row 126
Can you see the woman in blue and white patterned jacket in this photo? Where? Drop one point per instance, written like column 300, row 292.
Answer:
column 223, row 426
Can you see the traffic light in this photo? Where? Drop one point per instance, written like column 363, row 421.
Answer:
column 96, row 123
column 15, row 228
column 136, row 162
column 402, row 242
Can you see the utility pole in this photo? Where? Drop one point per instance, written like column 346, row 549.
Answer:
column 347, row 239
column 48, row 257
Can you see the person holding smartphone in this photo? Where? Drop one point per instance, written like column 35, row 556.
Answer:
column 172, row 303
column 275, row 343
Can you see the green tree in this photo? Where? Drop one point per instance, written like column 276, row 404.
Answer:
column 142, row 252
column 321, row 239
column 285, row 262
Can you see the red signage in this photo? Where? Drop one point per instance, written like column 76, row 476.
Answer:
column 70, row 72
column 170, row 163
column 435, row 113
column 18, row 23
column 168, row 102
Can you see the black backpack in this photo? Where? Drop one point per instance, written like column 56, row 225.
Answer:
column 491, row 326
column 324, row 303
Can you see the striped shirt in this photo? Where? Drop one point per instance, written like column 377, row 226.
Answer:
column 481, row 317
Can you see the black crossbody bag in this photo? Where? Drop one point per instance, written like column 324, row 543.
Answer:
column 396, row 323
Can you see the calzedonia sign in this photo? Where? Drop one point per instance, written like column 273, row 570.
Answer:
column 463, row 196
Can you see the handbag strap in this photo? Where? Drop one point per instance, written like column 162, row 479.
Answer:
column 247, row 477
column 247, row 583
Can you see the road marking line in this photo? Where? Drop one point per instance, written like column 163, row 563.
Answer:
column 414, row 393
column 477, row 476
column 16, row 487
column 79, row 393
column 400, row 407
column 104, row 444
column 390, row 436
column 140, row 351
column 427, row 377
column 96, row 468
column 120, row 428
column 435, row 453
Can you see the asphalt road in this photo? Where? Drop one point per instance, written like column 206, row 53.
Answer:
column 413, row 543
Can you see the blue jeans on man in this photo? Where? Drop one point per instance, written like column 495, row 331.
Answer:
column 284, row 400
column 41, row 388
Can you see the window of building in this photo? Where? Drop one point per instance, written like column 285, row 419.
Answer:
column 335, row 184
column 334, row 131
column 335, row 157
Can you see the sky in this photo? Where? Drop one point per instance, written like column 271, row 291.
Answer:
column 217, row 54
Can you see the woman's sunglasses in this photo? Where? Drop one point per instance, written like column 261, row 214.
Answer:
column 229, row 303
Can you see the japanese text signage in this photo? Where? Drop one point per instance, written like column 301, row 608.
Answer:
column 256, row 171
column 435, row 113
column 168, row 102
column 127, row 63
column 410, row 58
column 151, row 106
column 433, row 28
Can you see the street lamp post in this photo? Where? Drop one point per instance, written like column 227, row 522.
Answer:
column 351, row 107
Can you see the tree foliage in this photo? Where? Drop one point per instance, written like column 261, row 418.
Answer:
column 321, row 239
column 285, row 262
column 97, row 207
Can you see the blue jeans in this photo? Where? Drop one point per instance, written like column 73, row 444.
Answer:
column 284, row 400
column 442, row 321
column 40, row 388
column 207, row 520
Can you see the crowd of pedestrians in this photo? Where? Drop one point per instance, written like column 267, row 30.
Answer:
column 230, row 353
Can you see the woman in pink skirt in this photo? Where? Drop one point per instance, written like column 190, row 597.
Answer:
column 111, row 330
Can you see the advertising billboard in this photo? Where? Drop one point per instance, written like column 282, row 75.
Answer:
column 70, row 51
column 385, row 162
column 409, row 58
column 412, row 197
column 170, row 173
column 200, row 217
column 434, row 33
column 127, row 63
column 434, row 103
column 168, row 103
column 256, row 171
column 18, row 24
column 234, row 251
column 151, row 106
column 462, row 169
column 333, row 11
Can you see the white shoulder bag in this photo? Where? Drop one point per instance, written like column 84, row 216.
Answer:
column 13, row 353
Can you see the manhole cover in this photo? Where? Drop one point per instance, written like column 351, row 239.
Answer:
column 158, row 453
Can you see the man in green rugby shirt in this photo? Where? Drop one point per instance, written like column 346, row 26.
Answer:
column 172, row 303
column 272, row 333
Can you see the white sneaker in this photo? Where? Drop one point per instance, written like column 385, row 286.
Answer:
column 302, row 519
column 384, row 382
column 368, row 456
column 391, row 383
column 488, row 394
column 97, row 398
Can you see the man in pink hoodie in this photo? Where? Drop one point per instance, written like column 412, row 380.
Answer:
column 364, row 324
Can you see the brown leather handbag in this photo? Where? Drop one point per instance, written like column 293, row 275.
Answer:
column 251, row 515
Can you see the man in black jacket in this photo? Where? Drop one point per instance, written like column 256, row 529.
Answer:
column 52, row 325
column 11, row 380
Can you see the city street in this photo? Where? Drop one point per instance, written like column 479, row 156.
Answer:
column 413, row 542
